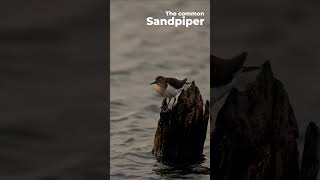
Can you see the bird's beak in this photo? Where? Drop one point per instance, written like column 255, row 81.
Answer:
column 153, row 83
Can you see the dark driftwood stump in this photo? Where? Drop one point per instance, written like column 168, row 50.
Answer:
column 255, row 133
column 310, row 159
column 181, row 131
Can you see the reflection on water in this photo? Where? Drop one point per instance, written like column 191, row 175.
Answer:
column 182, row 171
column 139, row 54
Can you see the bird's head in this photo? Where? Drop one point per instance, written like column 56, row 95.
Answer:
column 158, row 78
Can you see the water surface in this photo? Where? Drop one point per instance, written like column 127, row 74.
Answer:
column 139, row 53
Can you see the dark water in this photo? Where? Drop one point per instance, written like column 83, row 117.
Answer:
column 53, row 90
column 138, row 54
column 284, row 32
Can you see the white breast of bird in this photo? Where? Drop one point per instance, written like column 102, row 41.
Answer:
column 171, row 91
column 168, row 92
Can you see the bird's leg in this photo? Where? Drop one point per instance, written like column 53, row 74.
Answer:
column 174, row 100
column 169, row 102
column 164, row 104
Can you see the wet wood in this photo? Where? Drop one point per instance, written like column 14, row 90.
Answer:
column 310, row 160
column 255, row 136
column 181, row 130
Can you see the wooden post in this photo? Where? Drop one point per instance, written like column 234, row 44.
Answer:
column 310, row 159
column 181, row 131
column 255, row 136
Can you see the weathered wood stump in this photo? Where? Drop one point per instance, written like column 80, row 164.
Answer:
column 310, row 159
column 255, row 133
column 181, row 131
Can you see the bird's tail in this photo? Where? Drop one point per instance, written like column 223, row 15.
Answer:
column 186, row 81
column 239, row 60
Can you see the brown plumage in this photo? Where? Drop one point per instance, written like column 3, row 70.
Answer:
column 164, row 81
column 178, row 84
column 222, row 70
column 168, row 87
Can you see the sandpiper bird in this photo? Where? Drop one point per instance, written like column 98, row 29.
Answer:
column 223, row 70
column 168, row 87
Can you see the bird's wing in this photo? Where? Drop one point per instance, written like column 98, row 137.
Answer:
column 237, row 61
column 222, row 70
column 176, row 83
column 216, row 60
